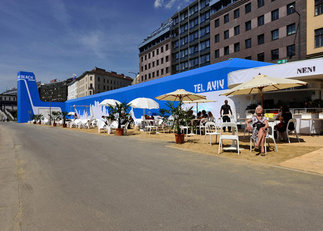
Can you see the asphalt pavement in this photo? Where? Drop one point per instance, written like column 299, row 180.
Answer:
column 59, row 179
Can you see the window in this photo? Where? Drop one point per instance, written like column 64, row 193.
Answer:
column 167, row 58
column 166, row 48
column 161, row 71
column 226, row 34
column 148, row 55
column 205, row 58
column 248, row 25
column 248, row 57
column 319, row 38
column 157, row 51
column 236, row 30
column 261, row 39
column 217, row 23
column 247, row 8
column 275, row 15
column 226, row 50
column 318, row 7
column 275, row 34
column 261, row 3
column 148, row 65
column 153, row 74
column 157, row 73
column 142, row 59
column 275, row 54
column 248, row 43
column 204, row 45
column 153, row 53
column 216, row 53
column 217, row 38
column 236, row 47
column 90, row 77
column 166, row 70
column 291, row 8
column 291, row 50
column 236, row 13
column 161, row 49
column 161, row 60
column 226, row 18
column 153, row 64
column 149, row 76
column 261, row 56
column 291, row 29
column 145, row 57
column 261, row 20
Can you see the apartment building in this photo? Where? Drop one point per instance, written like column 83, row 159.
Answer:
column 190, row 34
column 263, row 30
column 314, row 28
column 211, row 31
column 155, row 54
column 96, row 81
column 55, row 91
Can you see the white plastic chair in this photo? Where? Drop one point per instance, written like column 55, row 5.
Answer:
column 288, row 132
column 211, row 129
column 234, row 136
column 308, row 117
column 150, row 125
column 201, row 126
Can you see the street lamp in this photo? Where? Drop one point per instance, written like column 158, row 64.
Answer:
column 298, row 30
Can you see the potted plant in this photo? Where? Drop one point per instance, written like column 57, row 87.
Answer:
column 179, row 116
column 64, row 114
column 56, row 115
column 121, row 112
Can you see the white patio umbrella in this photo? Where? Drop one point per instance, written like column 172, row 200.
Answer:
column 108, row 102
column 262, row 83
column 144, row 103
column 71, row 113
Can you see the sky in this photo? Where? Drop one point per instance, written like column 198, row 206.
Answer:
column 55, row 39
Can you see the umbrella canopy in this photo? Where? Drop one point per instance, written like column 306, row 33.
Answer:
column 144, row 103
column 180, row 95
column 71, row 113
column 262, row 83
column 108, row 102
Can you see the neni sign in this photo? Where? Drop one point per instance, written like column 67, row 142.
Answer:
column 305, row 70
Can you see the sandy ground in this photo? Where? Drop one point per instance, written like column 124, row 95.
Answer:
column 291, row 155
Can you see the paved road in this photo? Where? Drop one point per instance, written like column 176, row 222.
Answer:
column 56, row 179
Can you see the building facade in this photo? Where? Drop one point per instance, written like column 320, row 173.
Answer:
column 54, row 91
column 211, row 31
column 314, row 46
column 260, row 30
column 155, row 54
column 96, row 81
column 190, row 35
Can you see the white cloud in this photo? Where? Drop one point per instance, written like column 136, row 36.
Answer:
column 178, row 4
column 93, row 42
column 158, row 3
column 170, row 4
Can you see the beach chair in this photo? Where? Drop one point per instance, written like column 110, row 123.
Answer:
column 288, row 131
column 211, row 129
column 234, row 136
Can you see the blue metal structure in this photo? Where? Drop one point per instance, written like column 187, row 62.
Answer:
column 206, row 79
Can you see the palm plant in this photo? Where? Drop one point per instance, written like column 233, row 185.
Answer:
column 56, row 115
column 64, row 114
column 178, row 114
column 121, row 110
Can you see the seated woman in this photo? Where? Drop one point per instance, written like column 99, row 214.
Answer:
column 284, row 117
column 259, row 126
column 210, row 116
